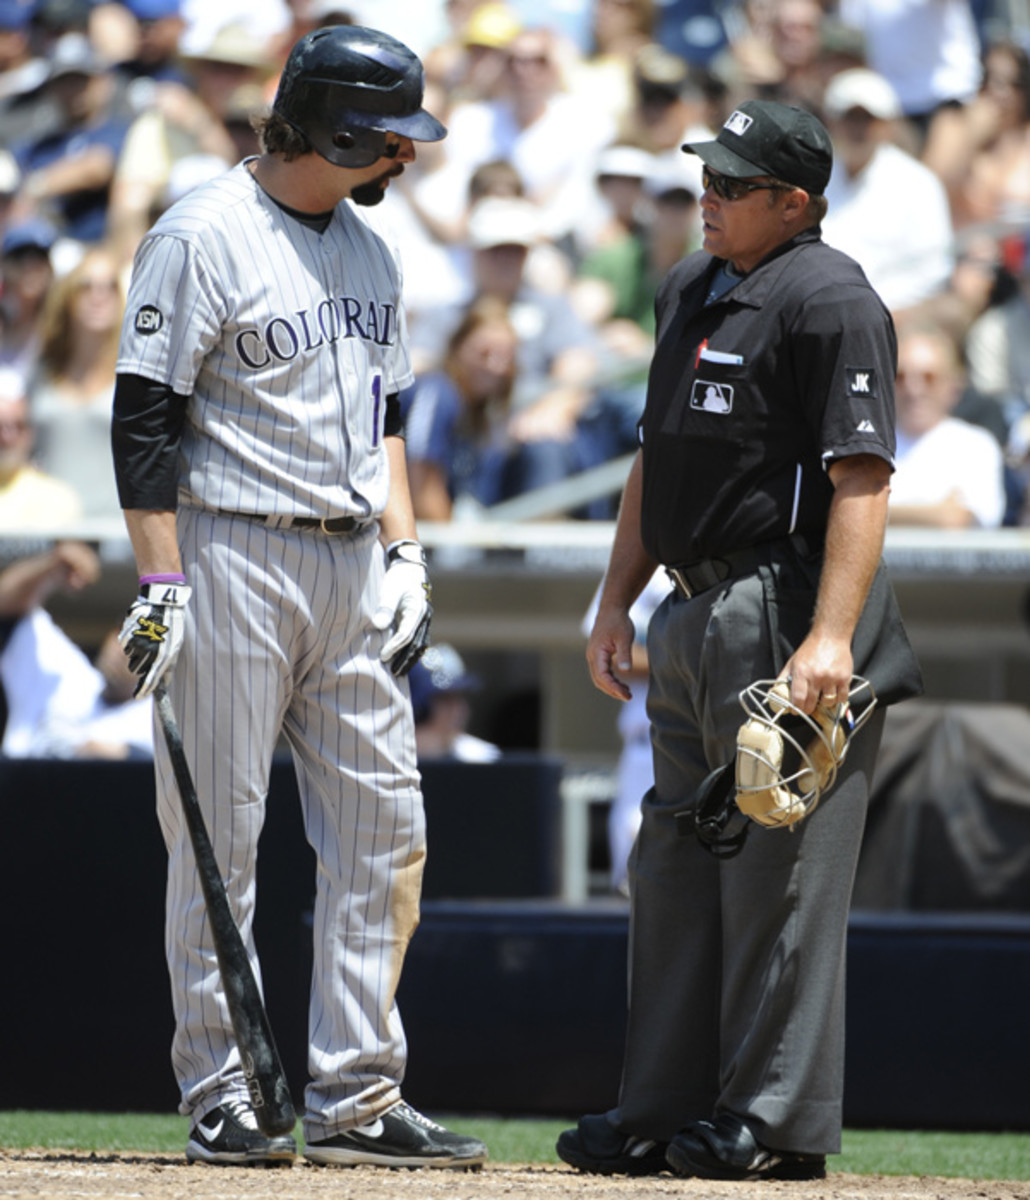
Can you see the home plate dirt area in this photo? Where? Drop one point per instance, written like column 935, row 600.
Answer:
column 73, row 1175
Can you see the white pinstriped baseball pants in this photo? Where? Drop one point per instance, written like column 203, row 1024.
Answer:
column 279, row 640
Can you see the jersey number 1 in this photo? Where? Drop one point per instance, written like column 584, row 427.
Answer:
column 377, row 396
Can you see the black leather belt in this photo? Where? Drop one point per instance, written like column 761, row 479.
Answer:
column 690, row 579
column 325, row 524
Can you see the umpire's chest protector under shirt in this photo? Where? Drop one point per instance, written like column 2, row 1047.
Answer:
column 751, row 396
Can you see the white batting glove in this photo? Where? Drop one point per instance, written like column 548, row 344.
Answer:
column 404, row 606
column 151, row 634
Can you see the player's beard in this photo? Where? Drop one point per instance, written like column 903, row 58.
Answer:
column 373, row 192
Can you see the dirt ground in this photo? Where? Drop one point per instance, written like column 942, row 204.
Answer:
column 64, row 1175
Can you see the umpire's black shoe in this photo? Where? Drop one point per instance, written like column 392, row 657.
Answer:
column 727, row 1149
column 401, row 1137
column 228, row 1136
column 597, row 1147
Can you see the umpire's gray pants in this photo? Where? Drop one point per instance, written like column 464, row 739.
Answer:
column 736, row 965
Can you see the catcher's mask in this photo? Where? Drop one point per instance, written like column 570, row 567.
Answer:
column 786, row 760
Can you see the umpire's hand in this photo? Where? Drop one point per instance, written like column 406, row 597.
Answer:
column 610, row 652
column 404, row 606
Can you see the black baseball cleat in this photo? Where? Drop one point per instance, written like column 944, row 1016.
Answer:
column 726, row 1148
column 401, row 1137
column 597, row 1147
column 229, row 1136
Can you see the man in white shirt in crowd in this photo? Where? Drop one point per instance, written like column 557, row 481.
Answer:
column 887, row 210
column 949, row 473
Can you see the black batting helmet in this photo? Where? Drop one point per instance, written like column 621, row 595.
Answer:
column 345, row 87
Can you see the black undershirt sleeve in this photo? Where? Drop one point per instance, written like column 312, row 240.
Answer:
column 393, row 419
column 146, row 430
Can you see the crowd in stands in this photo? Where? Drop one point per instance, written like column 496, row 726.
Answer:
column 534, row 236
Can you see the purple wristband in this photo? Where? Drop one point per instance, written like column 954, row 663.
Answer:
column 161, row 579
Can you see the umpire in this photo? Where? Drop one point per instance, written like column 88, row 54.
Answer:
column 761, row 482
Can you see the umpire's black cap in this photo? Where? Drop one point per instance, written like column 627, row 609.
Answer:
column 762, row 137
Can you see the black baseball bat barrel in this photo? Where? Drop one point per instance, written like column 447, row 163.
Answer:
column 262, row 1068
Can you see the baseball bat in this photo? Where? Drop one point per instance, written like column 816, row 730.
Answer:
column 262, row 1068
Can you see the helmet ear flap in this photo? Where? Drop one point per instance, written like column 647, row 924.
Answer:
column 346, row 145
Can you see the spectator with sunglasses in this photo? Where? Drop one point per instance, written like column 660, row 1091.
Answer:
column 761, row 485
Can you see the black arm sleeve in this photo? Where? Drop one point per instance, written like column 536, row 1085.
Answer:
column 393, row 418
column 146, row 430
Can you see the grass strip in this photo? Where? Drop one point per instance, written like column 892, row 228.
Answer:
column 524, row 1140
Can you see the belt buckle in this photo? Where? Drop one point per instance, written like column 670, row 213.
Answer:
column 338, row 525
column 680, row 582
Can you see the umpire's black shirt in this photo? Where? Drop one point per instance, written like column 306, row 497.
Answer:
column 751, row 396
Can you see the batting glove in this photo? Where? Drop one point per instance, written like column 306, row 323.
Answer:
column 404, row 606
column 151, row 634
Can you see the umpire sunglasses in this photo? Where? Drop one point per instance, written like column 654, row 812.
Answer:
column 727, row 188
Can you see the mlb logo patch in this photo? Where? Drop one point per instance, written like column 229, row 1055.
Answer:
column 738, row 122
column 861, row 381
column 712, row 397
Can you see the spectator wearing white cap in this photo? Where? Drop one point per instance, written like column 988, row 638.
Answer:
column 557, row 348
column 656, row 224
column 617, row 200
column 886, row 209
column 558, row 354
column 929, row 50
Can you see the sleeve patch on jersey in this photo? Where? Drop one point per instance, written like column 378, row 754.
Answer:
column 861, row 381
column 148, row 320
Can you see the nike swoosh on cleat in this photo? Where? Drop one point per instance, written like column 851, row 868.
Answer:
column 375, row 1130
column 211, row 1134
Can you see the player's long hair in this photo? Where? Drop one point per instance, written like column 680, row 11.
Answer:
column 278, row 136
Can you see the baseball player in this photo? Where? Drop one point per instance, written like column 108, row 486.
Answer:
column 257, row 444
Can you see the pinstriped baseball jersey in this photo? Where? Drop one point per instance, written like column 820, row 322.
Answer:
column 237, row 304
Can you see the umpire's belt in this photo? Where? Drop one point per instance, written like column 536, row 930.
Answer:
column 341, row 525
column 692, row 578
